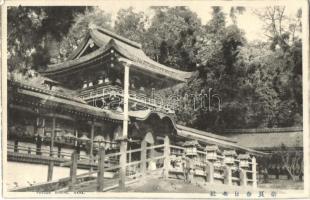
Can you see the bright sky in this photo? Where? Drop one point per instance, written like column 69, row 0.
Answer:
column 248, row 21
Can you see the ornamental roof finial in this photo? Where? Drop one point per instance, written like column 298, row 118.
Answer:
column 91, row 25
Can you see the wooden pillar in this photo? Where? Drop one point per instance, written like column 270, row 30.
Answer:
column 50, row 170
column 51, row 162
column 53, row 136
column 167, row 156
column 123, row 147
column 143, row 157
column 130, row 154
column 91, row 153
column 73, row 169
column 100, row 175
column 16, row 145
column 130, row 157
column 227, row 175
column 123, row 162
column 254, row 172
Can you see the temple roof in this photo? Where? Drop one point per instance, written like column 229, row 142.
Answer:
column 270, row 140
column 105, row 41
column 58, row 99
column 190, row 133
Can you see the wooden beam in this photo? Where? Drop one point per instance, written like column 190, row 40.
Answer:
column 92, row 133
column 51, row 163
column 53, row 136
column 123, row 147
column 98, row 124
column 60, row 116
column 22, row 108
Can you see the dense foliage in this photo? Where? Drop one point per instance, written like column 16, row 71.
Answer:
column 259, row 83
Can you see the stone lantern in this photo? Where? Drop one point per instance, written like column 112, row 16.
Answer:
column 191, row 147
column 212, row 152
column 245, row 160
column 230, row 156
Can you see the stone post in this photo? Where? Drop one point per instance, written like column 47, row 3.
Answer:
column 143, row 157
column 167, row 156
column 73, row 169
column 254, row 172
column 228, row 175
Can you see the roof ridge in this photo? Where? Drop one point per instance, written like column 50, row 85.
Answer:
column 118, row 37
column 210, row 134
column 264, row 130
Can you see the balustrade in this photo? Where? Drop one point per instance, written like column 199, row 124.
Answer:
column 156, row 102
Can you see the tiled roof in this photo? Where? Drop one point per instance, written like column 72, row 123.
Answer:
column 106, row 40
column 59, row 100
column 190, row 133
column 36, row 83
column 269, row 140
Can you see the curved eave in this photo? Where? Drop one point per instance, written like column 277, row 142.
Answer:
column 49, row 99
column 74, row 64
column 44, row 91
column 221, row 143
column 204, row 133
column 206, row 137
column 135, row 55
column 78, row 50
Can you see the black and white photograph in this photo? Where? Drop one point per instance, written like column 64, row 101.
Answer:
column 141, row 99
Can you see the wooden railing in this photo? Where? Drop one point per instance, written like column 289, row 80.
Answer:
column 169, row 158
column 157, row 102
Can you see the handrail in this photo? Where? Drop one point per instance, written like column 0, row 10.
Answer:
column 156, row 147
column 133, row 151
column 111, row 168
column 157, row 101
column 176, row 147
column 33, row 149
column 87, row 174
column 155, row 158
column 134, row 163
column 113, row 154
column 202, row 152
